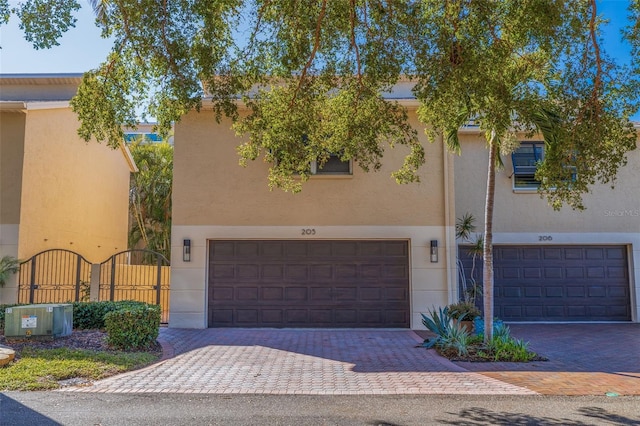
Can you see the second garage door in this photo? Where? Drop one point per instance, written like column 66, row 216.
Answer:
column 320, row 283
column 558, row 283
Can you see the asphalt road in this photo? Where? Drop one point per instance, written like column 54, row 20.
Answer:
column 53, row 408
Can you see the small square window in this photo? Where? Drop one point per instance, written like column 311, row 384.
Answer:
column 333, row 166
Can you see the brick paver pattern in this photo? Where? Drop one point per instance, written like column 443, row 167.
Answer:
column 305, row 362
column 584, row 359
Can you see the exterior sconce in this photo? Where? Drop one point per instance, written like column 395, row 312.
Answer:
column 434, row 251
column 186, row 250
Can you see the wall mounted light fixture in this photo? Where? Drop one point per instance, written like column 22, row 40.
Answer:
column 434, row 251
column 186, row 250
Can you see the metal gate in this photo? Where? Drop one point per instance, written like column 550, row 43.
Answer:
column 63, row 276
column 54, row 276
column 141, row 275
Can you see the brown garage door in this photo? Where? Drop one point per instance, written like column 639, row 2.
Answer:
column 559, row 283
column 346, row 283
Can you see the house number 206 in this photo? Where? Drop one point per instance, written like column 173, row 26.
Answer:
column 308, row 231
column 545, row 238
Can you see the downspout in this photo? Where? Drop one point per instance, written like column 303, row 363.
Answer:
column 449, row 236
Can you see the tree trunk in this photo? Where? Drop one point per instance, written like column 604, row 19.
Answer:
column 487, row 276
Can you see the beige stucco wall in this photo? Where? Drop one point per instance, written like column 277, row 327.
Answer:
column 518, row 212
column 75, row 194
column 214, row 197
column 11, row 155
column 210, row 187
column 612, row 216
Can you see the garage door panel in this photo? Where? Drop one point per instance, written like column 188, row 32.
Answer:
column 271, row 316
column 515, row 292
column 532, row 254
column 371, row 294
column 246, row 249
column 574, row 272
column 532, row 273
column 594, row 253
column 348, row 294
column 246, row 294
column 554, row 291
column 397, row 249
column 595, row 272
column 272, row 249
column 551, row 253
column 596, row 291
column 321, row 293
column 297, row 294
column 345, row 316
column 619, row 253
column 223, row 293
column 223, row 249
column 552, row 273
column 617, row 272
column 344, row 249
column 222, row 316
column 270, row 294
column 309, row 283
column 322, row 272
column 296, row 273
column 346, row 272
column 247, row 317
column 576, row 283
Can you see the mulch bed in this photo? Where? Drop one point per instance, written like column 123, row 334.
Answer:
column 93, row 340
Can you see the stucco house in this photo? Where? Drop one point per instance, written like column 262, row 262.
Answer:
column 356, row 249
column 56, row 191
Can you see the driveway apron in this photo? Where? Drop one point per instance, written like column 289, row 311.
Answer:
column 300, row 362
column 584, row 359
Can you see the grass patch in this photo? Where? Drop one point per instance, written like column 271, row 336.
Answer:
column 41, row 369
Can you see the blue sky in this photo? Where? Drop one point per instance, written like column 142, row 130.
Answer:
column 82, row 48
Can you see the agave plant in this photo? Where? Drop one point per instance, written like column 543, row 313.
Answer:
column 438, row 322
column 9, row 265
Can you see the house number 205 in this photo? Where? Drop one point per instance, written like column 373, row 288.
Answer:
column 545, row 238
column 308, row 231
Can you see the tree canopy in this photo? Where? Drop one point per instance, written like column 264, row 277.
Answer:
column 313, row 73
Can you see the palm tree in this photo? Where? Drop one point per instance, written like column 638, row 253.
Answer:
column 150, row 197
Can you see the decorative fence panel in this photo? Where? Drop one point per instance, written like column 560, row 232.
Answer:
column 62, row 276
column 140, row 275
column 54, row 276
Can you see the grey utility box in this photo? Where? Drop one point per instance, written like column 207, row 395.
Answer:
column 47, row 320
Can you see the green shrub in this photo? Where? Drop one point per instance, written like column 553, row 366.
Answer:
column 503, row 347
column 133, row 327
column 464, row 311
column 90, row 315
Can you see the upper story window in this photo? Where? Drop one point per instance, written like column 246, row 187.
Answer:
column 525, row 162
column 333, row 166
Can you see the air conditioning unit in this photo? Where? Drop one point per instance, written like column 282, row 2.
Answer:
column 47, row 320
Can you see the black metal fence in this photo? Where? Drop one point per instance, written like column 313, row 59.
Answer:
column 61, row 276
column 54, row 276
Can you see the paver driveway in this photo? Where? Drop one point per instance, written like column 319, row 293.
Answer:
column 584, row 359
column 313, row 362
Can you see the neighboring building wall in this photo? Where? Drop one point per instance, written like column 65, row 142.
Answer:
column 75, row 194
column 612, row 216
column 214, row 197
column 11, row 156
column 11, row 159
